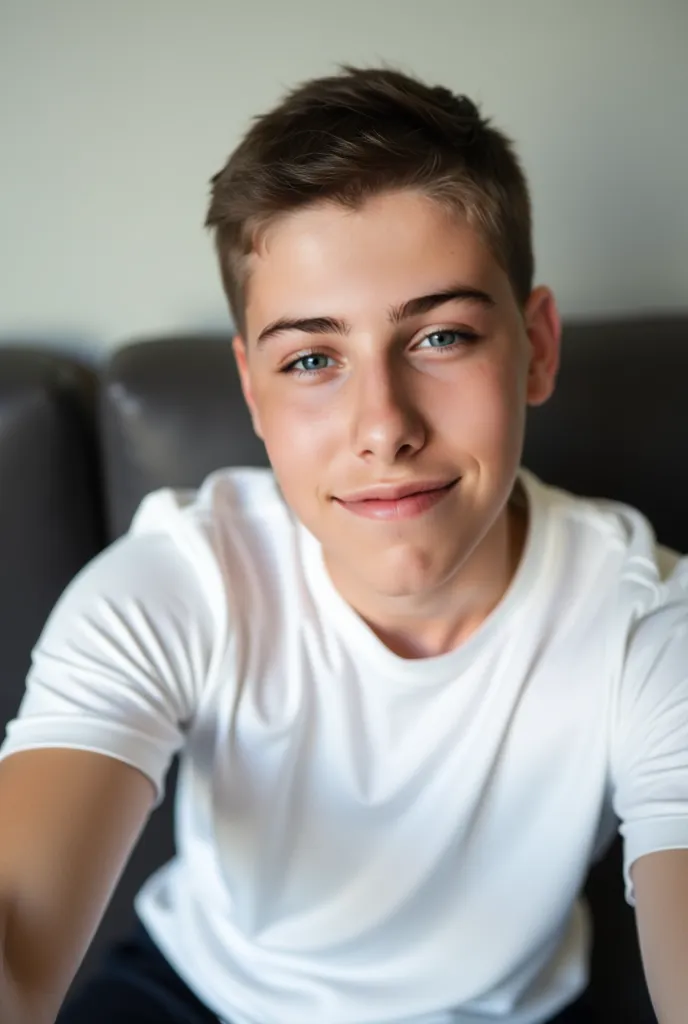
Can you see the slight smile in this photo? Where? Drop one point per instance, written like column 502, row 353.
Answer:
column 402, row 501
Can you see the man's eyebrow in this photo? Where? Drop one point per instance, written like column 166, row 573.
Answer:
column 426, row 303
column 306, row 325
column 412, row 307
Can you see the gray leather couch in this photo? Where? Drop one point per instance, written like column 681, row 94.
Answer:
column 77, row 454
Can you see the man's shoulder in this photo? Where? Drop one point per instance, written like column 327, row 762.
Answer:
column 609, row 519
column 187, row 556
column 604, row 533
column 234, row 527
column 226, row 496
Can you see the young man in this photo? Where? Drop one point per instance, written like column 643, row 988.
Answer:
column 412, row 685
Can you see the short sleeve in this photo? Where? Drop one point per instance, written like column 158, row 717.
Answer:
column 121, row 660
column 650, row 744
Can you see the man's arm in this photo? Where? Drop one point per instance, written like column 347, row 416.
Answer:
column 660, row 881
column 68, row 822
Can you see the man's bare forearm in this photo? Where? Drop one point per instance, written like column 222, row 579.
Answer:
column 661, row 888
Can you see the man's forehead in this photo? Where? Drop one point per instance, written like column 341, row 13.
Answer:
column 314, row 224
column 322, row 262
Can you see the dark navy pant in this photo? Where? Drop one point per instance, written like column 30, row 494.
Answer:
column 136, row 985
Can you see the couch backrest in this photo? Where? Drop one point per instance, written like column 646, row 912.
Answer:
column 617, row 425
column 171, row 411
column 50, row 499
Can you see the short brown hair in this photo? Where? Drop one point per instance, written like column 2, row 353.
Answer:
column 362, row 132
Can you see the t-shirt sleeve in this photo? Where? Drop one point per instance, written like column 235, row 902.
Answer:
column 650, row 738
column 121, row 660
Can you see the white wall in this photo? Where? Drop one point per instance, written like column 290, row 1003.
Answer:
column 113, row 115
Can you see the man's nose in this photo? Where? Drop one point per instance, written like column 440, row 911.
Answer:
column 387, row 424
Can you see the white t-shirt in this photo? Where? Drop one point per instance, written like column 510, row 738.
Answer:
column 363, row 838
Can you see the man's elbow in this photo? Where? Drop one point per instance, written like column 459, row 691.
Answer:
column 18, row 1006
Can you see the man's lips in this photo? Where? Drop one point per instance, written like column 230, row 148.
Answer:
column 399, row 501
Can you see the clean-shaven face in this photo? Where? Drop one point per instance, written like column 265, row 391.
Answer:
column 388, row 367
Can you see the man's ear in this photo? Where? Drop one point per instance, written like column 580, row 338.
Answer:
column 239, row 348
column 543, row 328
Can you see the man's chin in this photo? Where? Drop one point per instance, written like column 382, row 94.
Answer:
column 394, row 574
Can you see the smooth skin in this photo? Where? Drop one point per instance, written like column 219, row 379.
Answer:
column 69, row 820
column 660, row 881
column 358, row 372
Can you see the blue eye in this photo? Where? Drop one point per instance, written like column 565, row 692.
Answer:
column 312, row 362
column 447, row 339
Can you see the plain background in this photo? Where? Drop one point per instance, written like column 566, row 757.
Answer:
column 114, row 115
